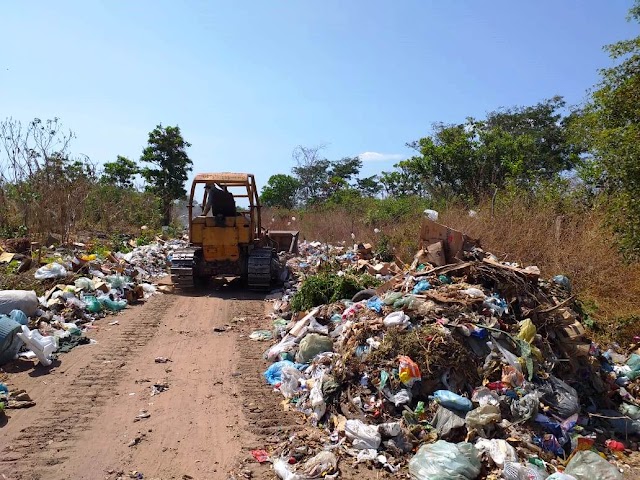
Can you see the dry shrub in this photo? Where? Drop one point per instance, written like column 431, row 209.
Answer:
column 577, row 244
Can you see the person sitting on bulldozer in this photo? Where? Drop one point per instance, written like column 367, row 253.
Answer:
column 219, row 201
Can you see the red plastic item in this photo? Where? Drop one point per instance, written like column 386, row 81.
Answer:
column 614, row 445
column 496, row 386
column 261, row 456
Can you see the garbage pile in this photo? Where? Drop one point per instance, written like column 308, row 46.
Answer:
column 81, row 288
column 458, row 367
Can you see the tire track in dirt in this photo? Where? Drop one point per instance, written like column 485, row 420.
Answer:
column 268, row 423
column 50, row 439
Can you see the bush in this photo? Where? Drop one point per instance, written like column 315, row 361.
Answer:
column 326, row 288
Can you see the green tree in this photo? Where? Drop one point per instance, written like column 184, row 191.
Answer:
column 610, row 126
column 120, row 173
column 520, row 146
column 280, row 191
column 369, row 186
column 166, row 151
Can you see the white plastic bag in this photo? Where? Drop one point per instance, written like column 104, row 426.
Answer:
column 362, row 436
column 287, row 344
column 290, row 383
column 499, row 450
column 397, row 319
column 25, row 300
column 473, row 292
column 317, row 400
column 52, row 270
column 431, row 214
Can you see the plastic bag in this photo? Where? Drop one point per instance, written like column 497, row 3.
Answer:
column 323, row 464
column 290, row 381
column 52, row 270
column 484, row 396
column 92, row 304
column 452, row 400
column 631, row 411
column 261, row 335
column 25, row 300
column 84, row 283
column 445, row 461
column 401, row 398
column 409, row 371
column 391, row 297
column 375, row 304
column 389, row 429
column 10, row 343
column 315, row 327
column 499, row 450
column 113, row 305
column 473, row 292
column 526, row 407
column 287, row 344
column 483, row 416
column 447, row 422
column 312, row 345
column 19, row 316
column 397, row 319
column 527, row 330
column 560, row 476
column 317, row 401
column 634, row 364
column 362, row 436
column 421, row 286
column 588, row 465
column 496, row 305
column 560, row 397
column 431, row 214
column 273, row 374
column 517, row 471
column 117, row 281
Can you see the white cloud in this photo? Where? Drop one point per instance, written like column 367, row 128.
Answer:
column 380, row 157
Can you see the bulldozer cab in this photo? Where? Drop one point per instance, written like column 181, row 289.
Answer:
column 230, row 216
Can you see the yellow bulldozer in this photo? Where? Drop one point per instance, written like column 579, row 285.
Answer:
column 226, row 240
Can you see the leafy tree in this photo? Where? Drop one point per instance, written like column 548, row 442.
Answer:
column 280, row 191
column 369, row 186
column 120, row 173
column 166, row 151
column 518, row 146
column 610, row 126
column 401, row 183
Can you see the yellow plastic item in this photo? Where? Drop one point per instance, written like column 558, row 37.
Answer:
column 527, row 330
column 88, row 258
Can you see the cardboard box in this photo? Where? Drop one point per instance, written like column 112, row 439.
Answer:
column 453, row 241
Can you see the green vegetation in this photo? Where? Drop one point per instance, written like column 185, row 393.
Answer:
column 327, row 287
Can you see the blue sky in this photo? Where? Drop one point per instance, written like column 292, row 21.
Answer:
column 248, row 81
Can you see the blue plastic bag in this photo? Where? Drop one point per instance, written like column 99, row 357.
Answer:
column 19, row 316
column 374, row 303
column 273, row 374
column 452, row 400
column 421, row 286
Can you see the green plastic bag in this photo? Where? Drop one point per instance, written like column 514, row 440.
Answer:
column 93, row 305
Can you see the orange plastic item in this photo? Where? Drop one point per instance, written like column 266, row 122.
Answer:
column 409, row 371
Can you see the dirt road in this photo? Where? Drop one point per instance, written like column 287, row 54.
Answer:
column 214, row 410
